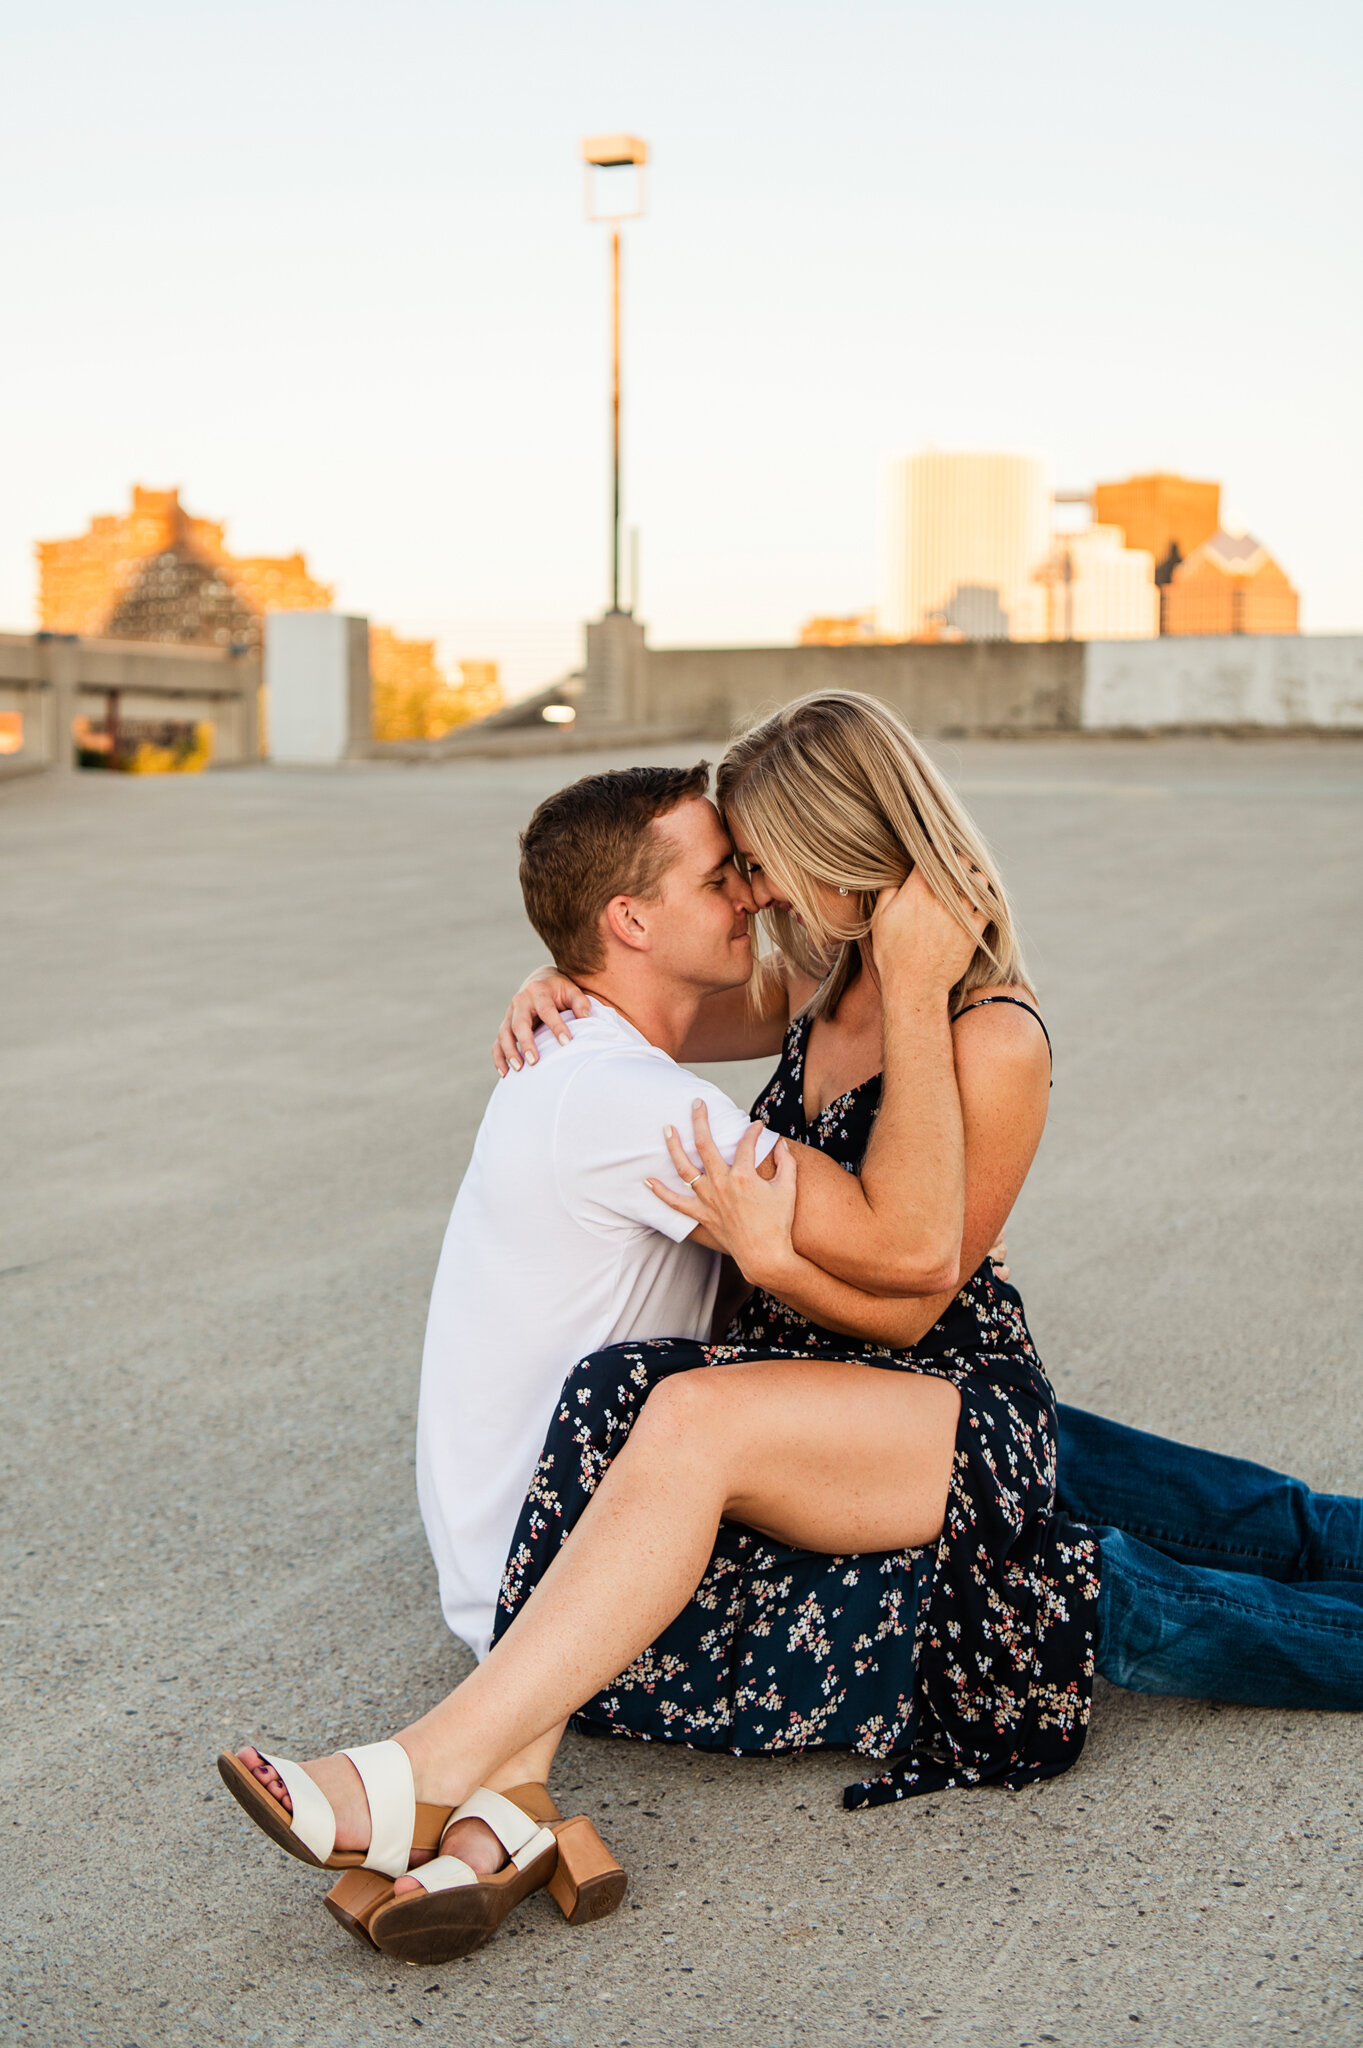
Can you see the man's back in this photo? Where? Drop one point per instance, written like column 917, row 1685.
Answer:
column 555, row 1248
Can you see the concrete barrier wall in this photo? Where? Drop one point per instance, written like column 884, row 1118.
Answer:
column 1237, row 680
column 974, row 686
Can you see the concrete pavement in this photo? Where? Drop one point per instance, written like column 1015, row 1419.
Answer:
column 245, row 1022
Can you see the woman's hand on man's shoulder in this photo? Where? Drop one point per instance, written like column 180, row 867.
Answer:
column 540, row 1000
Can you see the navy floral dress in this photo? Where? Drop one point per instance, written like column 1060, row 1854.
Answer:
column 966, row 1662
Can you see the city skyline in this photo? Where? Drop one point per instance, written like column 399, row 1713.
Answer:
column 395, row 355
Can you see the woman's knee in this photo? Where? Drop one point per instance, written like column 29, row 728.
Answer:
column 681, row 1410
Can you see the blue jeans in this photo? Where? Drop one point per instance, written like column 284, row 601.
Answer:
column 1221, row 1580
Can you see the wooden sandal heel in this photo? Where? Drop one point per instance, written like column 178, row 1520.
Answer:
column 586, row 1882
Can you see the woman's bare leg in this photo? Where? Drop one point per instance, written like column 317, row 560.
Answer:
column 831, row 1458
column 529, row 1766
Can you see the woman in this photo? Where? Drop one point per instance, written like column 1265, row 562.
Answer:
column 837, row 1526
column 828, row 805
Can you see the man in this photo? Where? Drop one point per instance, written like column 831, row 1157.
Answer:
column 556, row 1247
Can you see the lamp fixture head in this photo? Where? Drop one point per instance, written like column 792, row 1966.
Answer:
column 607, row 199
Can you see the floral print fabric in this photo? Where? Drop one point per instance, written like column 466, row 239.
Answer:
column 966, row 1662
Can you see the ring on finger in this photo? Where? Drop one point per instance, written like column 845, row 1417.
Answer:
column 694, row 1178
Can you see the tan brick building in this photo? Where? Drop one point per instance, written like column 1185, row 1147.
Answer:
column 157, row 572
column 413, row 698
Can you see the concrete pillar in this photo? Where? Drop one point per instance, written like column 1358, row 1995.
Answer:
column 317, row 679
column 613, row 683
column 247, row 672
column 63, row 690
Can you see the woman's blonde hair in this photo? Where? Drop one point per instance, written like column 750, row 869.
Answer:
column 836, row 789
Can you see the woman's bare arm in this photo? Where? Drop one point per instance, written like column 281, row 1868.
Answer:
column 1003, row 1076
column 745, row 1023
column 897, row 1226
column 740, row 1023
column 1004, row 1068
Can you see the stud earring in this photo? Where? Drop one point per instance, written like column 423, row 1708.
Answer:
column 842, row 892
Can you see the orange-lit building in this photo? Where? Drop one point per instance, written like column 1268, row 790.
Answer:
column 852, row 629
column 1159, row 513
column 1230, row 584
column 413, row 698
column 158, row 573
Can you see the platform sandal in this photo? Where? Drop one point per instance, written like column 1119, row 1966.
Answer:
column 398, row 1822
column 456, row 1910
column 587, row 1883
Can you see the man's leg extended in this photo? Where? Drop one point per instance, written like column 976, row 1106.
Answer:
column 1195, row 1633
column 1203, row 1508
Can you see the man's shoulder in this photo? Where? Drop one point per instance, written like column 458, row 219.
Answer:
column 602, row 1060
column 604, row 1045
column 610, row 1064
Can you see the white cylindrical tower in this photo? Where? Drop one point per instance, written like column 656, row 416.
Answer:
column 966, row 531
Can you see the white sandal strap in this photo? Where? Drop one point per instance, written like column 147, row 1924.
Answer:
column 444, row 1874
column 386, row 1773
column 312, row 1819
column 514, row 1829
column 542, row 1839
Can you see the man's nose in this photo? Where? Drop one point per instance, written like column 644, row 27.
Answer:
column 744, row 895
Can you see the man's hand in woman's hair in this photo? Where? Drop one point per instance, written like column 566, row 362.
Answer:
column 538, row 1000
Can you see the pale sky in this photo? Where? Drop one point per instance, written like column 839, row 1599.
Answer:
column 325, row 267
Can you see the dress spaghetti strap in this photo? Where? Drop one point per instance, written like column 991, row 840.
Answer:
column 1018, row 1004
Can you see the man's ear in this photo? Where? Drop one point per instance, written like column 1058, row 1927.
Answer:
column 624, row 924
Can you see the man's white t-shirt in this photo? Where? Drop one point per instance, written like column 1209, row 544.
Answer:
column 555, row 1248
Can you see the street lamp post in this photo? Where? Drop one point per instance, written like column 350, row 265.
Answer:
column 615, row 153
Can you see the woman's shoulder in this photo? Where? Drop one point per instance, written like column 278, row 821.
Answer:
column 1006, row 1016
column 1015, row 993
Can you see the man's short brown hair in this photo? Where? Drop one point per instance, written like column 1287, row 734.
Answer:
column 592, row 842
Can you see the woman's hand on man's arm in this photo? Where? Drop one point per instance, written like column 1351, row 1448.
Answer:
column 747, row 1210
